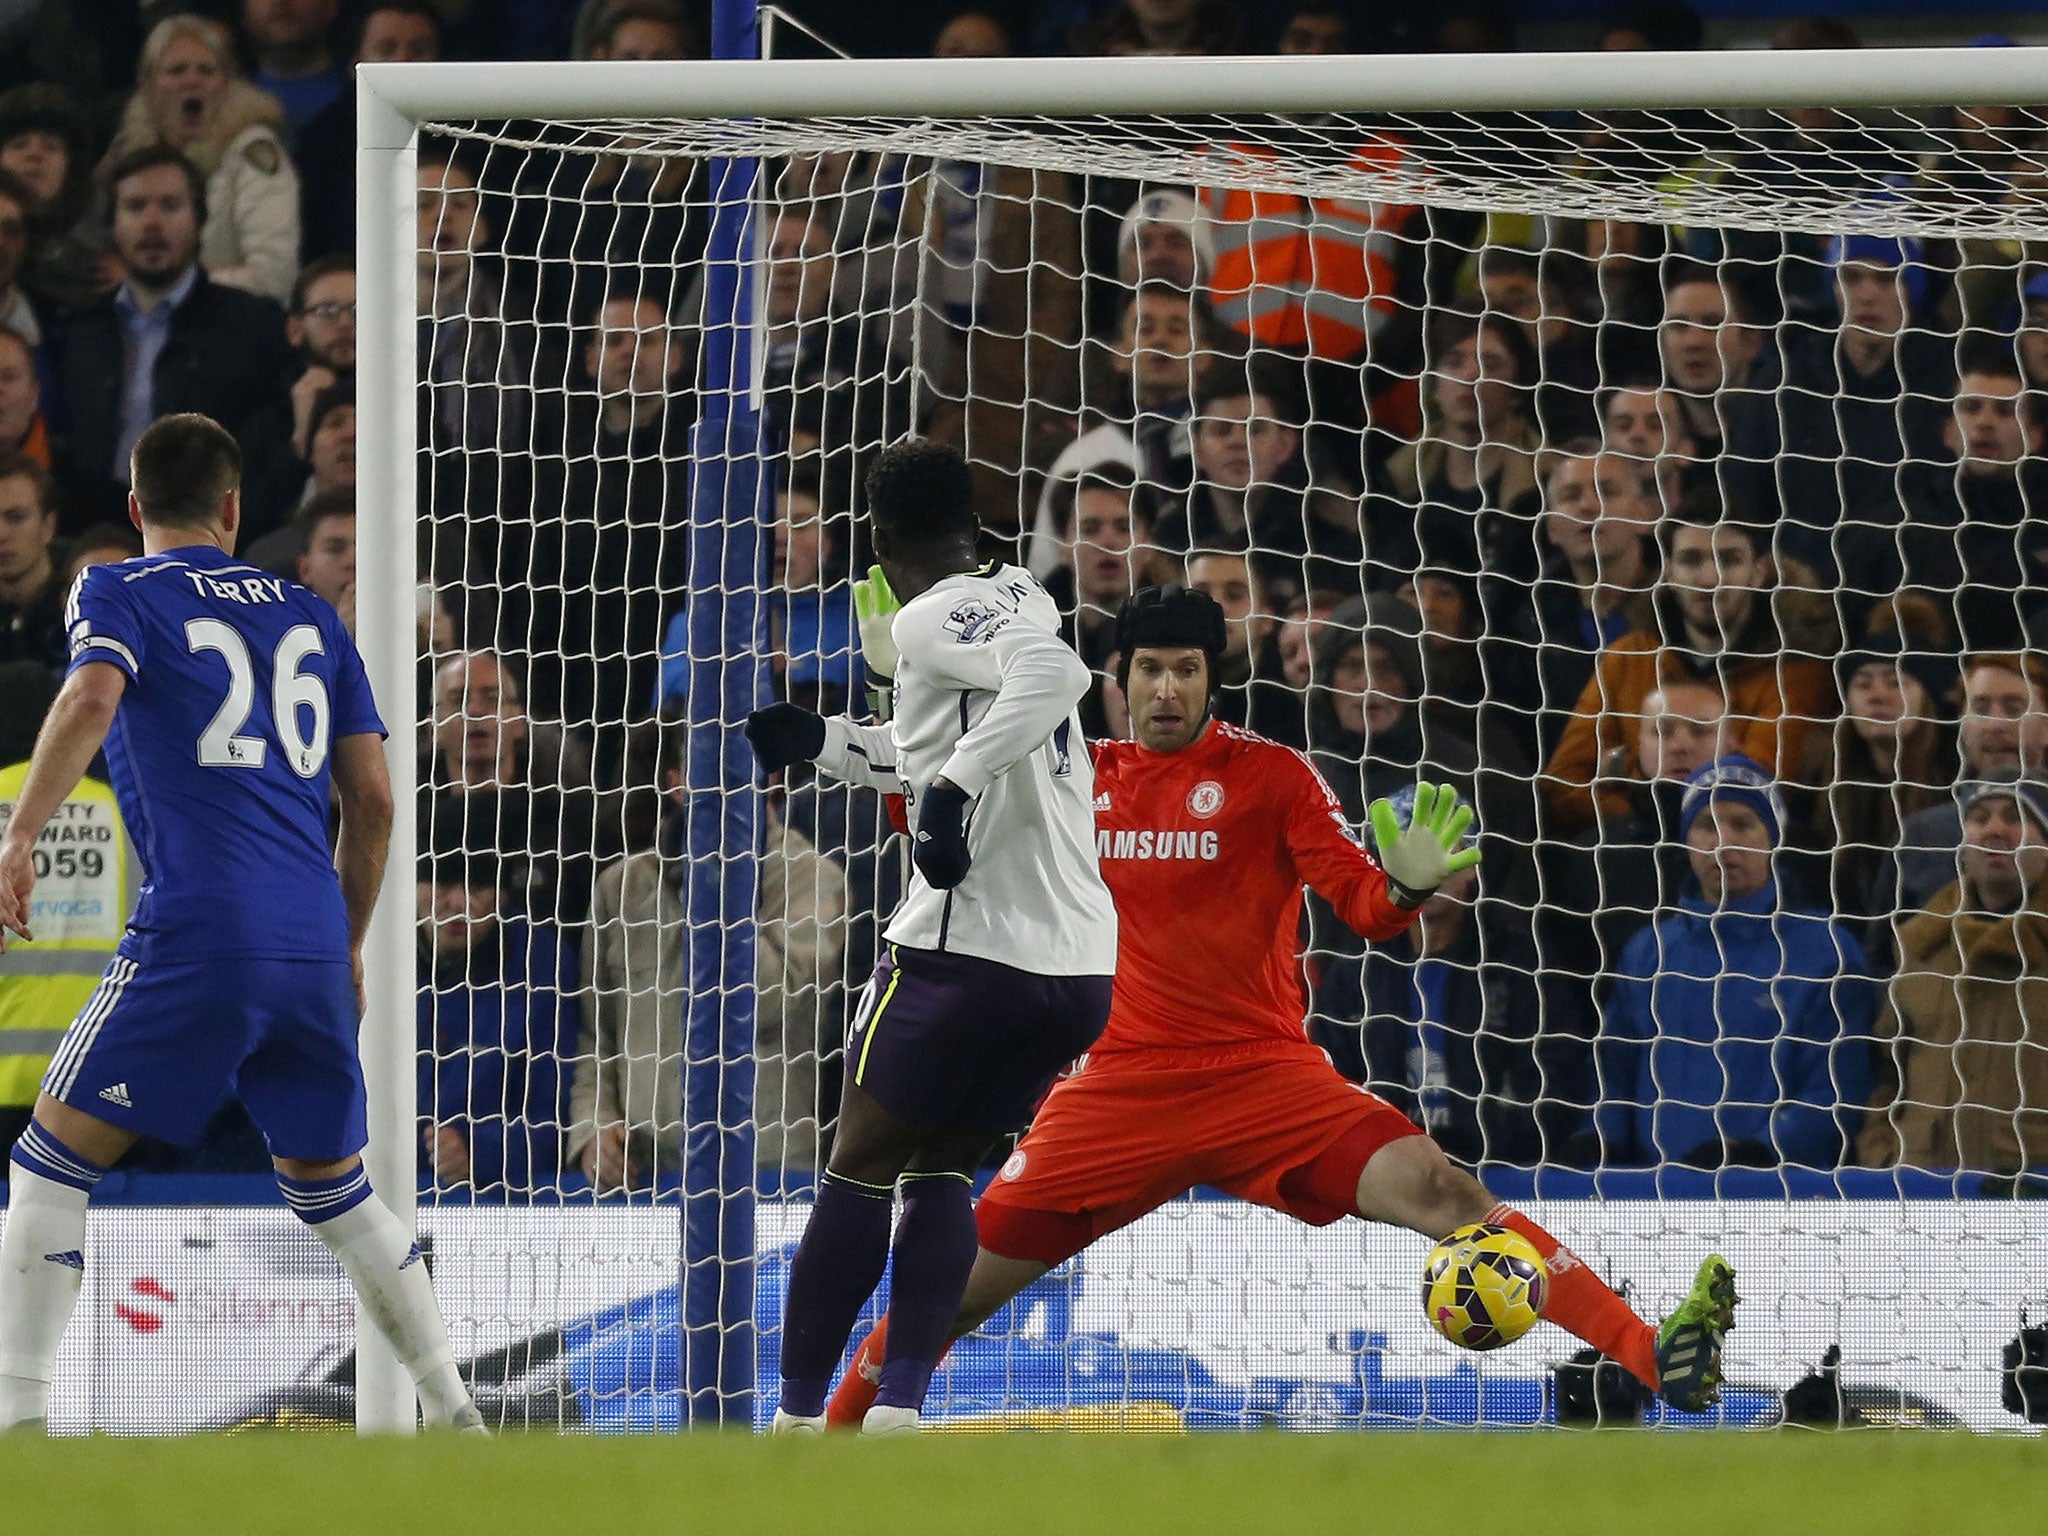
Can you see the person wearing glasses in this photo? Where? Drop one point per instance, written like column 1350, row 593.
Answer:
column 321, row 327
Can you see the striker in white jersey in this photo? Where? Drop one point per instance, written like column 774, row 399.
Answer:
column 985, row 697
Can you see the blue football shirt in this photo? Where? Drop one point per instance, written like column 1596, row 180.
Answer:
column 238, row 684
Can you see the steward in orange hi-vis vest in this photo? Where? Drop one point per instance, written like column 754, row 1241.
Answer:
column 1314, row 274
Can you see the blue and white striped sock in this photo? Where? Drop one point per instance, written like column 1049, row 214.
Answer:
column 321, row 1200
column 382, row 1262
column 45, row 1156
column 42, row 1263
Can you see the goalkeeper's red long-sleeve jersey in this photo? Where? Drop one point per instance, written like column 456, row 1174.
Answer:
column 1206, row 852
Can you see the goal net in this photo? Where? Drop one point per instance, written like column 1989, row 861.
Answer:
column 1552, row 451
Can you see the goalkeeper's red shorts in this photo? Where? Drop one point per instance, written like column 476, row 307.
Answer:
column 1272, row 1123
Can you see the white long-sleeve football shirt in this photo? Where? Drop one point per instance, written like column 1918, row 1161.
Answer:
column 985, row 695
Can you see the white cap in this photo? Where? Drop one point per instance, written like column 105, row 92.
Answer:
column 1169, row 206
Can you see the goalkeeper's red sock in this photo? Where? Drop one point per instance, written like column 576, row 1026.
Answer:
column 1580, row 1302
column 863, row 1379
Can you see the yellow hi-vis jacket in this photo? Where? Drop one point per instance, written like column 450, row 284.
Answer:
column 87, row 879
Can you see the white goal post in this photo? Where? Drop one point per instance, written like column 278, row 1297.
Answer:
column 1007, row 111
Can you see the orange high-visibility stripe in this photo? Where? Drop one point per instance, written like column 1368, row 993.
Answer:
column 1304, row 272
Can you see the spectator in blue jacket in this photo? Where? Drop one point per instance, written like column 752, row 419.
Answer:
column 497, row 1032
column 815, row 649
column 1739, row 1030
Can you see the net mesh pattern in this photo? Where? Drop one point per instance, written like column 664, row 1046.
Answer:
column 1833, row 171
column 1549, row 457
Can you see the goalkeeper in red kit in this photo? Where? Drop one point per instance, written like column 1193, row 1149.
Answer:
column 1207, row 836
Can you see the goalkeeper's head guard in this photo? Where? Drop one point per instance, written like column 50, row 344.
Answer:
column 1169, row 618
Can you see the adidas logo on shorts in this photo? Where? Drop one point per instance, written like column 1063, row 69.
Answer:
column 118, row 1094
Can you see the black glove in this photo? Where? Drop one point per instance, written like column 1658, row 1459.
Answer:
column 783, row 734
column 940, row 848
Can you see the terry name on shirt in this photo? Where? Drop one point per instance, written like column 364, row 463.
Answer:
column 243, row 589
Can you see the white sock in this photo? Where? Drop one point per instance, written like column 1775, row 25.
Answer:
column 397, row 1297
column 42, row 1264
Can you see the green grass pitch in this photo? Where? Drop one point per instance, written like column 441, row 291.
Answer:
column 1789, row 1484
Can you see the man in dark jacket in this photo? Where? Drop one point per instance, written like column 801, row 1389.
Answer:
column 1724, row 374
column 809, row 346
column 321, row 327
column 390, row 32
column 1859, row 401
column 167, row 340
column 1251, row 491
column 1972, row 532
column 498, row 1024
column 1599, row 509
column 612, row 516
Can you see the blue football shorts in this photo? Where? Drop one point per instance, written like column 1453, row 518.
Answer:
column 159, row 1048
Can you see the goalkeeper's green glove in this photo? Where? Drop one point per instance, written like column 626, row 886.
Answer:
column 1424, row 854
column 875, row 608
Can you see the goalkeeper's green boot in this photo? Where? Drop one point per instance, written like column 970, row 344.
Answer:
column 1689, row 1340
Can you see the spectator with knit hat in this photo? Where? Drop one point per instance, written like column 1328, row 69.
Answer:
column 1738, row 1031
column 1165, row 237
column 1965, row 1081
column 2003, row 730
column 1891, row 755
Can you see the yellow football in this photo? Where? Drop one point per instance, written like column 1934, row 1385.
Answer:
column 1483, row 1287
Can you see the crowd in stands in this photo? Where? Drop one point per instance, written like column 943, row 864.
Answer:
column 1710, row 566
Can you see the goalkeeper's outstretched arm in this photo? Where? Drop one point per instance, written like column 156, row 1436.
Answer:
column 1331, row 861
column 1376, row 899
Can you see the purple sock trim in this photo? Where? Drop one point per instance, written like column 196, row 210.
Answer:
column 934, row 1253
column 904, row 1383
column 837, row 1267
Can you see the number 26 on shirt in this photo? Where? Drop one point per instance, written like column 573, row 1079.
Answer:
column 221, row 744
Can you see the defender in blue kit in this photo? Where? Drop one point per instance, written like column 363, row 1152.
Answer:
column 233, row 709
